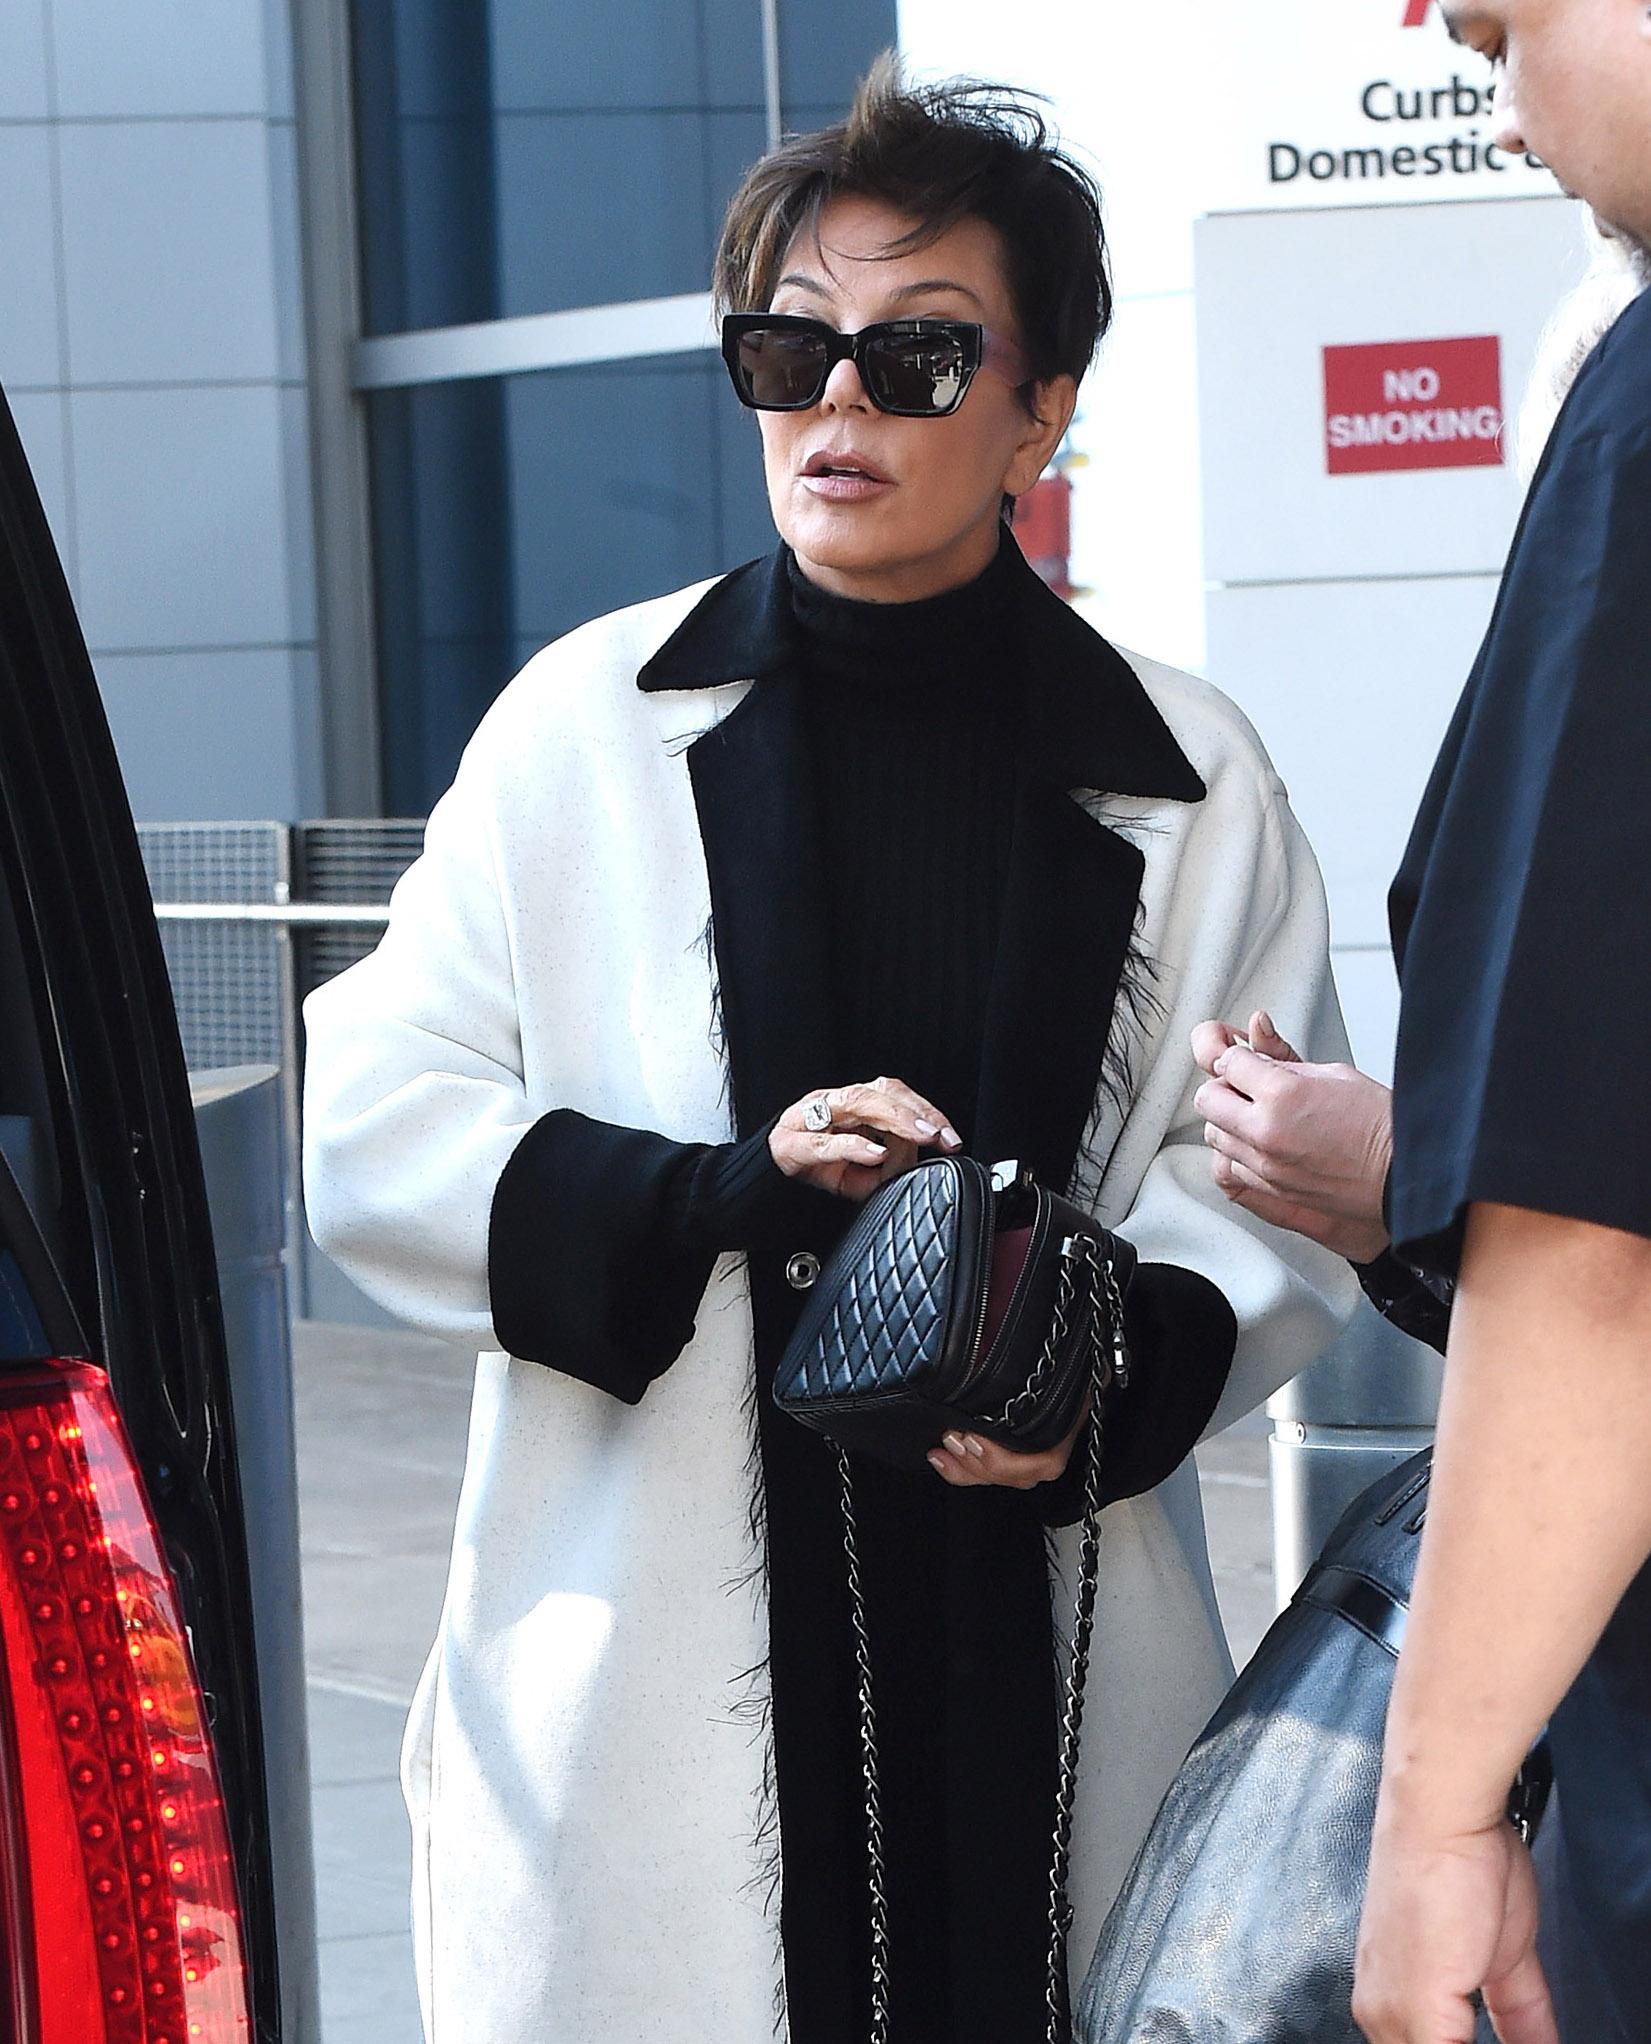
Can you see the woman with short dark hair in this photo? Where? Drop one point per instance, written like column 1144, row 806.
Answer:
column 743, row 901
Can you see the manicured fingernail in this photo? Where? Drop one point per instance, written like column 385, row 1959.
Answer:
column 927, row 1128
column 1264, row 1022
column 877, row 1149
column 938, row 1464
column 974, row 1447
column 950, row 1137
column 954, row 1442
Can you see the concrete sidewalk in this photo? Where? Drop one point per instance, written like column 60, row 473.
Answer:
column 381, row 1431
column 381, row 1427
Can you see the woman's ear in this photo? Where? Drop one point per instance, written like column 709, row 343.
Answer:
column 1053, row 401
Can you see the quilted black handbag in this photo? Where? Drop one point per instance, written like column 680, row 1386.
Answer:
column 969, row 1298
column 1239, row 1919
column 961, row 1297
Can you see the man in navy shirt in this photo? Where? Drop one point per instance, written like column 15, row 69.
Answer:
column 1520, row 1181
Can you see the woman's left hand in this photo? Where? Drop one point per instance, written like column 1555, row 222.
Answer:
column 970, row 1459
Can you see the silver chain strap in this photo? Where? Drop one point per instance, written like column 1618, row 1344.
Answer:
column 1076, row 1250
column 868, row 1767
column 1081, row 1256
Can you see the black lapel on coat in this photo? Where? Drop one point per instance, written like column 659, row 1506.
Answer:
column 1073, row 884
column 757, row 819
column 754, row 794
column 1068, row 915
column 1073, row 887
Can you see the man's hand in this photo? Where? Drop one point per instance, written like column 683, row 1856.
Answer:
column 1444, row 1916
column 1305, row 1147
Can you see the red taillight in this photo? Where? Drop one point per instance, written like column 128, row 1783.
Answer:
column 128, row 1880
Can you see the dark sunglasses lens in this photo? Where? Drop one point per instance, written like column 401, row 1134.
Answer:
column 780, row 367
column 915, row 372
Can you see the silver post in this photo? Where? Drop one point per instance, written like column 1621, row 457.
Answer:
column 771, row 71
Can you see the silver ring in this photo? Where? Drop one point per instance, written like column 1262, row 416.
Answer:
column 817, row 1114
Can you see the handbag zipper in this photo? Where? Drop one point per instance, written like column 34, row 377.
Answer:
column 1017, row 1298
column 988, row 1214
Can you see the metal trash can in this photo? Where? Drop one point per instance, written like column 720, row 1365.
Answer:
column 240, row 1123
column 1362, row 1409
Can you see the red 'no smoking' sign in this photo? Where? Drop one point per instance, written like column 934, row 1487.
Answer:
column 1413, row 404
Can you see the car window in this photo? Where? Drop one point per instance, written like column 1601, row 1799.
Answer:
column 22, row 1333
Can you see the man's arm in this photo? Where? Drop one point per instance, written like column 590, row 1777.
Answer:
column 1539, row 1518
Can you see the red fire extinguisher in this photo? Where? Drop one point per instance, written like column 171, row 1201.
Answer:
column 1043, row 524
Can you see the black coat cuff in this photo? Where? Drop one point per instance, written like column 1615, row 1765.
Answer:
column 584, row 1273
column 1182, row 1334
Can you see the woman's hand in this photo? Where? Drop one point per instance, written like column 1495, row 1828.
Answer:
column 1445, row 1916
column 1306, row 1147
column 876, row 1132
column 970, row 1459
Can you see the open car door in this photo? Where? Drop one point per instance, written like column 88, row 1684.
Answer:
column 136, row 1902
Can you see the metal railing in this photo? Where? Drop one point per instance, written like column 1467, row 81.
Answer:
column 293, row 914
column 253, row 916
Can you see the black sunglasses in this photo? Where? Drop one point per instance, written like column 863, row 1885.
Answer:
column 914, row 368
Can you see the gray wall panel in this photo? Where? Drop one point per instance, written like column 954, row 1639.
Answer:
column 298, row 507
column 168, row 249
column 29, row 337
column 203, row 736
column 179, row 496
column 23, row 95
column 280, row 101
column 163, row 57
column 286, row 252
column 308, row 778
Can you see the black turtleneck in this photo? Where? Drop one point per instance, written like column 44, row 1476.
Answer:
column 913, row 714
column 913, row 710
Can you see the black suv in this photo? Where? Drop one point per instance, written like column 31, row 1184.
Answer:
column 136, row 1901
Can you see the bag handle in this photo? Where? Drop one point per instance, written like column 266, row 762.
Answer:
column 1087, row 1278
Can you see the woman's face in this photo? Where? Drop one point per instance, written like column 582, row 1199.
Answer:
column 922, row 513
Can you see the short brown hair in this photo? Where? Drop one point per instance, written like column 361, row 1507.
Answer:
column 942, row 153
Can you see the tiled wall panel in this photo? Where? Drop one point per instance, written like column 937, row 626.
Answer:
column 180, row 496
column 23, row 91
column 29, row 333
column 167, row 57
column 167, row 240
column 152, row 349
column 216, row 732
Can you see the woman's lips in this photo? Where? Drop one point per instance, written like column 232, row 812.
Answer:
column 838, row 486
column 842, row 475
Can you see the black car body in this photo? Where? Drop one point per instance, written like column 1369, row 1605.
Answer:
column 135, row 1885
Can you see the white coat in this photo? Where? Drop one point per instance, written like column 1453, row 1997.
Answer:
column 581, row 1766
